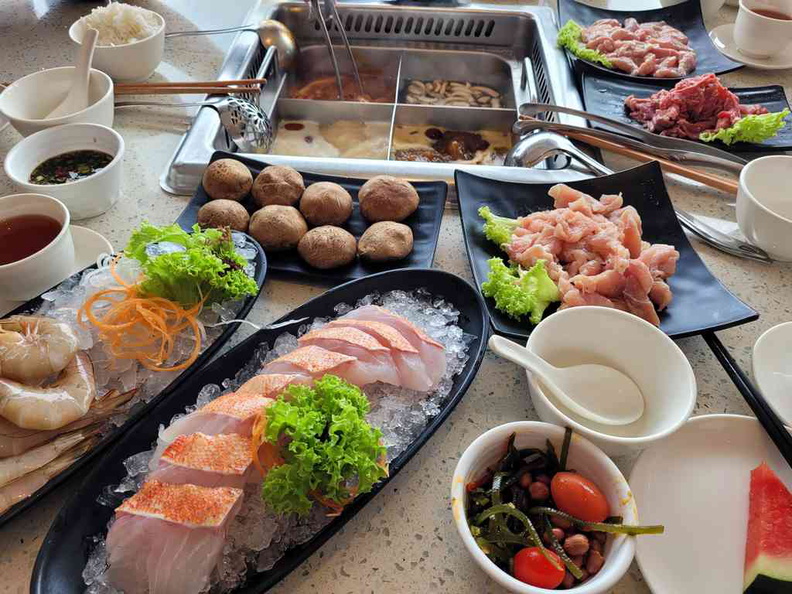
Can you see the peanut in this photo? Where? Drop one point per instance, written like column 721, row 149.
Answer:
column 576, row 545
column 594, row 562
column 539, row 491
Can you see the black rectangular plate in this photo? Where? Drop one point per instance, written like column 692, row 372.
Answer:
column 140, row 411
column 685, row 16
column 700, row 301
column 424, row 222
column 66, row 547
column 605, row 96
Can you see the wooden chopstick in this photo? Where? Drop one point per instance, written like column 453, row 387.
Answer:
column 714, row 181
column 205, row 83
column 147, row 90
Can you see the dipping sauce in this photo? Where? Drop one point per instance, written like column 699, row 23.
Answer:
column 69, row 167
column 771, row 14
column 23, row 235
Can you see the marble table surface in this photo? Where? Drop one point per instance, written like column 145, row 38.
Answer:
column 404, row 540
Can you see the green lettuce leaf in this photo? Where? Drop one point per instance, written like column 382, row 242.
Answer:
column 209, row 266
column 497, row 229
column 750, row 128
column 326, row 445
column 518, row 292
column 569, row 38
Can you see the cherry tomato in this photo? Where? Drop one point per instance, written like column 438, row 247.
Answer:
column 532, row 567
column 578, row 496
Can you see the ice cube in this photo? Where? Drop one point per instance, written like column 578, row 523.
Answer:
column 163, row 247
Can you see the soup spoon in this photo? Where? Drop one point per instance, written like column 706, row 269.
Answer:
column 597, row 392
column 77, row 97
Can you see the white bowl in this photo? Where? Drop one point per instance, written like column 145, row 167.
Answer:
column 764, row 205
column 587, row 459
column 590, row 334
column 27, row 101
column 87, row 197
column 129, row 62
column 772, row 369
column 31, row 276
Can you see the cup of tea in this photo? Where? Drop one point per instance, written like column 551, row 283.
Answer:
column 764, row 205
column 763, row 27
column 37, row 248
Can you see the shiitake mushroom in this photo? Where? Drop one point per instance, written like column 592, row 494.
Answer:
column 278, row 184
column 385, row 241
column 387, row 198
column 223, row 213
column 227, row 179
column 277, row 227
column 326, row 203
column 327, row 247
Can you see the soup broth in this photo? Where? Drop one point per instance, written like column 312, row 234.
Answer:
column 24, row 235
column 772, row 14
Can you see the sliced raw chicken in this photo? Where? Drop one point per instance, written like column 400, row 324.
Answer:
column 206, row 460
column 167, row 539
column 432, row 352
column 374, row 362
column 311, row 362
column 412, row 371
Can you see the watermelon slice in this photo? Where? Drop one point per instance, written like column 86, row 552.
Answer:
column 768, row 547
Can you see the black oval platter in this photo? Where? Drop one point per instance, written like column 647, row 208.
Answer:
column 65, row 549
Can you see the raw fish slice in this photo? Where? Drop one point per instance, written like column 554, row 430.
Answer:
column 432, row 352
column 207, row 461
column 374, row 362
column 271, row 384
column 167, row 539
column 311, row 361
column 412, row 371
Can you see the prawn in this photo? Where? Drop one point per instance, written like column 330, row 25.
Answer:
column 52, row 407
column 33, row 348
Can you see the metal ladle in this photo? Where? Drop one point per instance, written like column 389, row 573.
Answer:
column 246, row 124
column 532, row 149
column 270, row 32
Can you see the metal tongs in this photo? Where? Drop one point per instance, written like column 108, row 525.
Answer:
column 330, row 15
column 684, row 152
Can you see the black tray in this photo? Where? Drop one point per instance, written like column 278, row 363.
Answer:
column 424, row 222
column 700, row 301
column 605, row 96
column 65, row 549
column 139, row 411
column 685, row 16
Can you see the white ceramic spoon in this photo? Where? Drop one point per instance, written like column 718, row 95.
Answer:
column 77, row 97
column 597, row 392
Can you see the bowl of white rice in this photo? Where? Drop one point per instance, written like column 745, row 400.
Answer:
column 130, row 43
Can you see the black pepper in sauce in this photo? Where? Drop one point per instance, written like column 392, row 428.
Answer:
column 69, row 167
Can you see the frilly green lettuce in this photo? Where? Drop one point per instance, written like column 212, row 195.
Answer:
column 569, row 38
column 518, row 292
column 750, row 128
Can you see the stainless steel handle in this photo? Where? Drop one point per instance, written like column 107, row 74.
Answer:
column 654, row 140
column 677, row 156
column 710, row 235
column 163, row 104
column 210, row 31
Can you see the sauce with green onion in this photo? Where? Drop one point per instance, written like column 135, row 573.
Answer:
column 69, row 167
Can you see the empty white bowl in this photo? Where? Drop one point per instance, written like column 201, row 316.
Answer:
column 27, row 101
column 772, row 369
column 40, row 271
column 764, row 205
column 87, row 197
column 129, row 62
column 590, row 334
column 584, row 457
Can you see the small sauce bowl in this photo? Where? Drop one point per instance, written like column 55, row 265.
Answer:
column 621, row 340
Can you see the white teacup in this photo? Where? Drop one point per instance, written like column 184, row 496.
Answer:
column 40, row 271
column 764, row 205
column 759, row 35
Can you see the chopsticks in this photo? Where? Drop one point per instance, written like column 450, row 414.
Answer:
column 713, row 181
column 211, row 87
column 766, row 416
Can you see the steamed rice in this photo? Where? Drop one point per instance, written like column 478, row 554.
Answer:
column 120, row 24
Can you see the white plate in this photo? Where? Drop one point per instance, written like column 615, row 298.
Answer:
column 772, row 369
column 88, row 245
column 696, row 483
column 723, row 39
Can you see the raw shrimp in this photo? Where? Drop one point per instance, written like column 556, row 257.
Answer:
column 33, row 348
column 66, row 400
